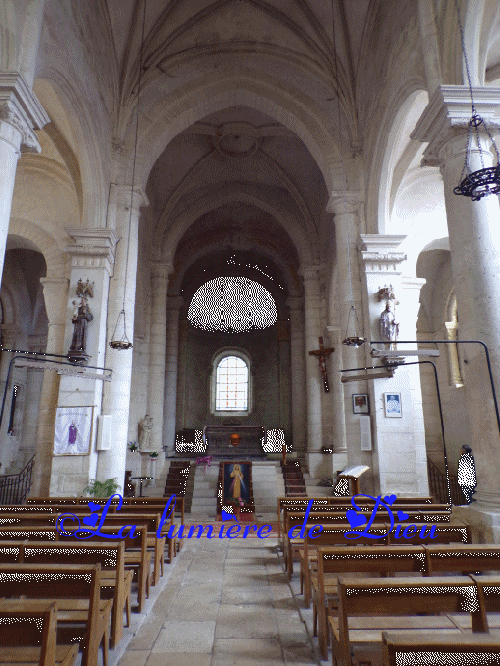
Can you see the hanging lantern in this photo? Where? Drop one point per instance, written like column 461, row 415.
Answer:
column 353, row 340
column 480, row 183
column 484, row 181
column 119, row 339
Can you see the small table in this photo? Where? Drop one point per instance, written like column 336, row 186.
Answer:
column 140, row 479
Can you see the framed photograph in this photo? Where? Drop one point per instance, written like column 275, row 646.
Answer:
column 360, row 404
column 236, row 478
column 392, row 405
column 73, row 430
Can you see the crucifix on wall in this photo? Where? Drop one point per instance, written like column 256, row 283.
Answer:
column 322, row 355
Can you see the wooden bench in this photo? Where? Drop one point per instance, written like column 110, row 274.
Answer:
column 387, row 560
column 28, row 635
column 455, row 532
column 114, row 579
column 76, row 588
column 394, row 603
column 137, row 556
column 410, row 648
column 344, row 503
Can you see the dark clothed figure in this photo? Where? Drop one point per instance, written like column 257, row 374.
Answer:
column 467, row 474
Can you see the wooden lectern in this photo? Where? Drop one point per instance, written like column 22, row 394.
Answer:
column 353, row 474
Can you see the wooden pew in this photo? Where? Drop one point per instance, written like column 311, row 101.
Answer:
column 466, row 558
column 371, row 560
column 398, row 648
column 298, row 503
column 114, row 578
column 393, row 603
column 137, row 556
column 455, row 532
column 293, row 519
column 28, row 635
column 76, row 588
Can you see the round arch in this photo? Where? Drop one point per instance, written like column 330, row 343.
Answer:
column 168, row 241
column 210, row 94
column 45, row 243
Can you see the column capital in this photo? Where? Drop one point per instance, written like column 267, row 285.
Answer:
column 295, row 303
column 174, row 302
column 92, row 248
column 125, row 196
column 379, row 254
column 310, row 272
column 344, row 203
column 55, row 292
column 161, row 270
column 447, row 116
column 21, row 110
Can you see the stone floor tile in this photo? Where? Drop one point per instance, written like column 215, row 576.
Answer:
column 135, row 658
column 247, row 595
column 248, row 647
column 179, row 659
column 251, row 621
column 185, row 636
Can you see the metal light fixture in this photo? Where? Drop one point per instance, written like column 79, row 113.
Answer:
column 119, row 339
column 390, row 353
column 484, row 181
column 352, row 340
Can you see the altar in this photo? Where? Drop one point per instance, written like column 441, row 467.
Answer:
column 251, row 441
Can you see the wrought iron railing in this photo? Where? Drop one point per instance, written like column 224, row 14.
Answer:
column 438, row 486
column 14, row 488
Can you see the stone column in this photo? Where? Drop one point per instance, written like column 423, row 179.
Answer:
column 398, row 455
column 298, row 368
column 116, row 397
column 158, row 340
column 335, row 364
column 55, row 292
column 92, row 256
column 20, row 113
column 314, row 380
column 174, row 304
column 474, row 232
column 284, row 402
column 345, row 206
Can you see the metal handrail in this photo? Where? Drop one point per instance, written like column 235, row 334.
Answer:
column 14, row 488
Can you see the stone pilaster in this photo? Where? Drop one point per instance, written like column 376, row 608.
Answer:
column 398, row 455
column 55, row 293
column 346, row 208
column 174, row 304
column 314, row 382
column 297, row 354
column 474, row 233
column 158, row 339
column 20, row 113
column 116, row 397
column 92, row 256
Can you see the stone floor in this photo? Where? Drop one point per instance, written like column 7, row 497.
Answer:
column 225, row 602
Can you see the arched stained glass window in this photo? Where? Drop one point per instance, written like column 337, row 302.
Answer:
column 231, row 385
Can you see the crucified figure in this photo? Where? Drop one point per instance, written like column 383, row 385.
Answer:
column 322, row 355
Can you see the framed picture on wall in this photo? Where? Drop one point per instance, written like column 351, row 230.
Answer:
column 72, row 431
column 360, row 404
column 392, row 405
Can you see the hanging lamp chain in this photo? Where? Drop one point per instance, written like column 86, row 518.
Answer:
column 122, row 342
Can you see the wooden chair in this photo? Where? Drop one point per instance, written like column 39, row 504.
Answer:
column 28, row 635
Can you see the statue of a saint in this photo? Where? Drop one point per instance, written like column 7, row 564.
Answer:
column 82, row 315
column 389, row 328
column 146, row 434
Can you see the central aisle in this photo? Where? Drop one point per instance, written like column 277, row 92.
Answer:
column 226, row 602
